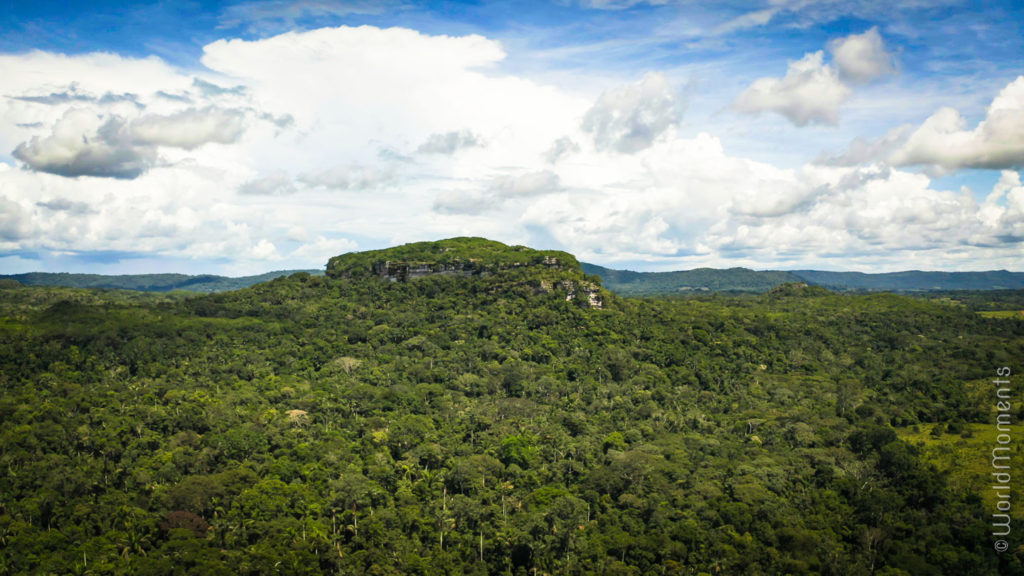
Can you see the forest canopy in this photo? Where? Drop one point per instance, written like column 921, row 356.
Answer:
column 474, row 408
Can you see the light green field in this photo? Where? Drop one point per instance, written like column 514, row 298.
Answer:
column 969, row 460
column 1003, row 314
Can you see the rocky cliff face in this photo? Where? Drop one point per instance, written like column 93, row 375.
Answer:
column 397, row 271
column 585, row 292
column 543, row 270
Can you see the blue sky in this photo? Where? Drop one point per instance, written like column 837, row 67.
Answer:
column 240, row 137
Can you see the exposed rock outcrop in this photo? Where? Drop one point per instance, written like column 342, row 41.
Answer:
column 544, row 270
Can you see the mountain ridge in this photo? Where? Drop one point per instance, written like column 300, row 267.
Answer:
column 629, row 283
column 162, row 282
column 466, row 256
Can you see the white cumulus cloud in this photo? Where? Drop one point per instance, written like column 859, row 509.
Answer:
column 861, row 58
column 83, row 143
column 630, row 118
column 874, row 213
column 190, row 128
column 87, row 142
column 1003, row 209
column 946, row 141
column 14, row 225
column 810, row 93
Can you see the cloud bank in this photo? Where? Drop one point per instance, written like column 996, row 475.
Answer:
column 945, row 142
column 86, row 142
column 298, row 146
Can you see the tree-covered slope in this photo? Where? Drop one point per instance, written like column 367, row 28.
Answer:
column 630, row 283
column 488, row 419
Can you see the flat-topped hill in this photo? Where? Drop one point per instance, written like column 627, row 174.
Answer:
column 452, row 256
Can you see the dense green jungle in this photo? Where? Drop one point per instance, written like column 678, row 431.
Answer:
column 466, row 407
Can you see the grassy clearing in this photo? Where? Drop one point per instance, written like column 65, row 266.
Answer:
column 1019, row 315
column 967, row 457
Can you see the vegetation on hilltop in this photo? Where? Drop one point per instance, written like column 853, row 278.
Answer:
column 489, row 423
column 468, row 255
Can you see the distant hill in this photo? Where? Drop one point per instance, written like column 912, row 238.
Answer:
column 915, row 280
column 206, row 283
column 630, row 283
column 452, row 256
column 453, row 259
